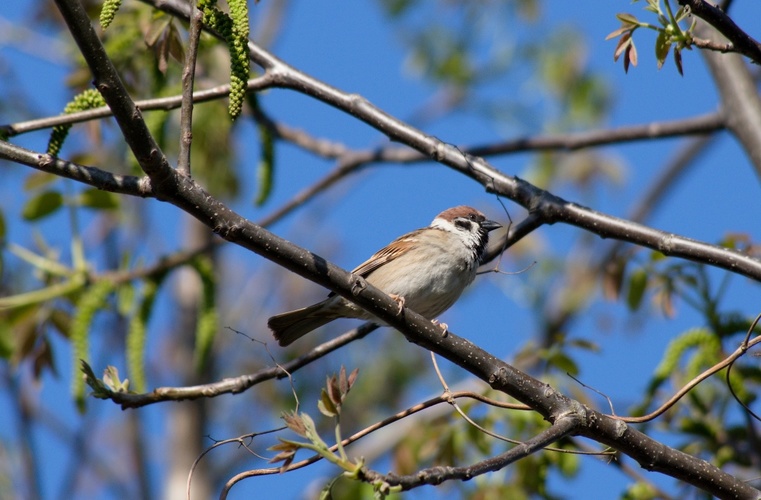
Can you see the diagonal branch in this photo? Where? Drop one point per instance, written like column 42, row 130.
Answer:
column 568, row 415
column 107, row 81
column 189, row 196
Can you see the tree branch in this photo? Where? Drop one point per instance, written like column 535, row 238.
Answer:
column 147, row 152
column 239, row 384
column 187, row 195
column 716, row 17
column 188, row 78
column 161, row 103
column 563, row 427
column 739, row 97
column 565, row 414
column 123, row 184
column 698, row 125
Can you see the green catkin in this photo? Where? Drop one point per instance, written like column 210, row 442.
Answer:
column 136, row 336
column 108, row 11
column 696, row 337
column 234, row 29
column 208, row 318
column 264, row 173
column 239, row 61
column 89, row 99
column 90, row 302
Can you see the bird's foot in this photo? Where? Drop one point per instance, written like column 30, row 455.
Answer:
column 444, row 327
column 399, row 300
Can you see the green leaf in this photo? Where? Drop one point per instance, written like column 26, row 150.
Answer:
column 637, row 287
column 208, row 317
column 95, row 198
column 656, row 256
column 266, row 168
column 662, row 46
column 3, row 227
column 627, row 18
column 42, row 205
column 564, row 363
column 326, row 406
column 584, row 344
column 7, row 340
column 39, row 179
column 397, row 8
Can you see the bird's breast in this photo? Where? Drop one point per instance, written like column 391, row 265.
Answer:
column 430, row 281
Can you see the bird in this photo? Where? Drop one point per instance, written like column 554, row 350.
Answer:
column 425, row 270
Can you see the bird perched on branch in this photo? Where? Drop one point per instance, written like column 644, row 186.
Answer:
column 425, row 270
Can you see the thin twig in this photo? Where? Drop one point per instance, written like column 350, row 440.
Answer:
column 451, row 400
column 740, row 351
column 188, row 77
column 744, row 346
column 442, row 399
column 743, row 43
column 241, row 383
column 436, row 475
column 711, row 45
column 159, row 103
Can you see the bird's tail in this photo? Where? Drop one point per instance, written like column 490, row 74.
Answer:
column 292, row 325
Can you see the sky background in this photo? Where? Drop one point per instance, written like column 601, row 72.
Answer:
column 386, row 201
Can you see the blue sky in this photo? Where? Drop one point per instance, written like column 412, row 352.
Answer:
column 385, row 201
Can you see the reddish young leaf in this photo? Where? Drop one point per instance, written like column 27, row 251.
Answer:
column 678, row 61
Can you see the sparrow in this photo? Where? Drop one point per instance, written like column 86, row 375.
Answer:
column 425, row 270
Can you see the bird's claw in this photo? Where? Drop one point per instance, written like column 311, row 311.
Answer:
column 444, row 327
column 400, row 301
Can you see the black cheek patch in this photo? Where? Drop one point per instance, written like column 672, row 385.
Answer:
column 462, row 223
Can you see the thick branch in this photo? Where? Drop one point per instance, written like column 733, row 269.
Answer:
column 107, row 81
column 186, row 194
column 555, row 407
column 547, row 207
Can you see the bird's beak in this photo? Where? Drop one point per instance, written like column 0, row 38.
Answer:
column 490, row 225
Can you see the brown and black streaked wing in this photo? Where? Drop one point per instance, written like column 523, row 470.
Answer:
column 387, row 254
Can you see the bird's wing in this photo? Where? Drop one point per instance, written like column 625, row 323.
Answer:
column 387, row 254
